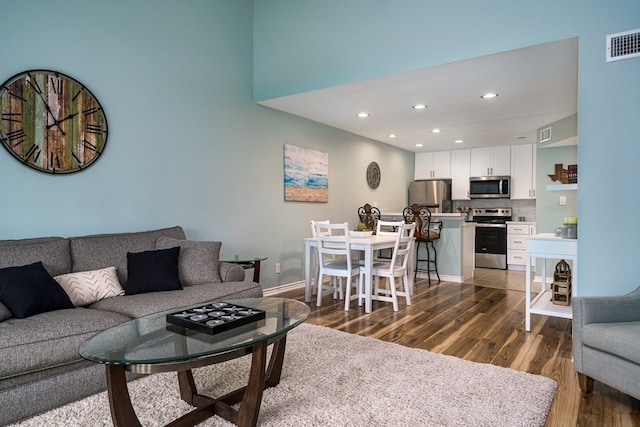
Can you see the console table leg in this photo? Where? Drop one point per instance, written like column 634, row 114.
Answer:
column 122, row 413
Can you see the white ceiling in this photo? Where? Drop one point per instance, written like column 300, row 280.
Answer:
column 536, row 85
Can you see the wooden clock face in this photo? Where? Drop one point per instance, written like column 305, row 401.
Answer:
column 373, row 175
column 51, row 122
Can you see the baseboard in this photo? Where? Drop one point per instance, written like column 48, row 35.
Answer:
column 269, row 292
column 443, row 277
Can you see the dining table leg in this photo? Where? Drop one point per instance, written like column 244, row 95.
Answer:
column 307, row 271
column 368, row 270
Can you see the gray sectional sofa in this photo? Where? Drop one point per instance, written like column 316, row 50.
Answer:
column 40, row 368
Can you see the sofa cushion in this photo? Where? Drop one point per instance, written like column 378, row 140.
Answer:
column 154, row 302
column 87, row 287
column 620, row 338
column 30, row 289
column 54, row 253
column 198, row 262
column 151, row 271
column 110, row 250
column 49, row 339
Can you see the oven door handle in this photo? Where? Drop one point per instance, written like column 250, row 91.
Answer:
column 489, row 225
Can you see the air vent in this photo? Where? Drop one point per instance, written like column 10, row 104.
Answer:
column 545, row 135
column 623, row 45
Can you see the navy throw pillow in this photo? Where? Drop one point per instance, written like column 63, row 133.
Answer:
column 152, row 271
column 30, row 289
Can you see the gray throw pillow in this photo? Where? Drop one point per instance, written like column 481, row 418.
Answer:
column 198, row 261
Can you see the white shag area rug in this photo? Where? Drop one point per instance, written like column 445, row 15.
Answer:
column 331, row 378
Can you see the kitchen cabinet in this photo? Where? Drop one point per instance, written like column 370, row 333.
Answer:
column 432, row 165
column 517, row 233
column 547, row 246
column 491, row 161
column 523, row 170
column 460, row 173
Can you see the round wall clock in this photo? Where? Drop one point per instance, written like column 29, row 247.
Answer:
column 51, row 122
column 373, row 175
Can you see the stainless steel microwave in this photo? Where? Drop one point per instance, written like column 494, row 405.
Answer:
column 490, row 187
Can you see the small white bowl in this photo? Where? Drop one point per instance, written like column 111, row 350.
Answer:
column 360, row 234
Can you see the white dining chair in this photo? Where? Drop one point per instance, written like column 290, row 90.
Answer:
column 334, row 256
column 395, row 268
column 316, row 270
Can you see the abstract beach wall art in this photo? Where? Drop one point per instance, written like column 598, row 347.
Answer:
column 306, row 174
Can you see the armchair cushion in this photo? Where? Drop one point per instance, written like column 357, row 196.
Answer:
column 621, row 339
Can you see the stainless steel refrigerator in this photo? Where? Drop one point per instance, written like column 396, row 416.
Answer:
column 434, row 194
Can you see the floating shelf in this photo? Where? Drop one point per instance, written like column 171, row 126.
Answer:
column 561, row 187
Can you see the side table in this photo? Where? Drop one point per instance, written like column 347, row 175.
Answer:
column 247, row 262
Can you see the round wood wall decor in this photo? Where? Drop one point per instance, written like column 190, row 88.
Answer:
column 51, row 122
column 373, row 175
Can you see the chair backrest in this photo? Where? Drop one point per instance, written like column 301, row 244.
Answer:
column 313, row 226
column 369, row 216
column 388, row 227
column 426, row 228
column 333, row 240
column 405, row 245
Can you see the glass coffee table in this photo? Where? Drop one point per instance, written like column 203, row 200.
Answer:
column 150, row 345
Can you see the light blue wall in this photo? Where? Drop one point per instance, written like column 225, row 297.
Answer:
column 305, row 45
column 187, row 144
column 550, row 214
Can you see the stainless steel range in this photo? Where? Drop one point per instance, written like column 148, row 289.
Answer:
column 491, row 236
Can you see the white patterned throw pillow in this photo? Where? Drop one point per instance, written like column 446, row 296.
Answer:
column 87, row 287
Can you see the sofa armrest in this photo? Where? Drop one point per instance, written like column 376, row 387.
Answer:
column 231, row 272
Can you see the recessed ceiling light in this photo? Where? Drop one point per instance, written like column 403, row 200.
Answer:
column 436, row 130
column 489, row 95
column 419, row 107
column 363, row 115
column 458, row 141
column 418, row 145
column 392, row 135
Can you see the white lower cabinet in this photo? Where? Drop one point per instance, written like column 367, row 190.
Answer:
column 517, row 233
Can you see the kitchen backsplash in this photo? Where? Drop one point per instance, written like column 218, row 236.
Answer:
column 525, row 208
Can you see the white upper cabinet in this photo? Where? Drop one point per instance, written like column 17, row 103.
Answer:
column 433, row 165
column 491, row 161
column 523, row 167
column 460, row 168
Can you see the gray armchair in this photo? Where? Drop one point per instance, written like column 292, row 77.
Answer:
column 606, row 341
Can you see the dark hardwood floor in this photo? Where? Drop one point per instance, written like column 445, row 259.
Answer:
column 483, row 320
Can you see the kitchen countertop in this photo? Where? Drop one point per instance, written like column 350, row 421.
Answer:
column 456, row 215
column 549, row 236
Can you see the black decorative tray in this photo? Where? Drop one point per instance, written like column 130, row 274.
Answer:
column 215, row 317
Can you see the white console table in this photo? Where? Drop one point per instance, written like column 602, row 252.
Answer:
column 547, row 246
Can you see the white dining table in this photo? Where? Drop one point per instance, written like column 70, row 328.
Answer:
column 368, row 245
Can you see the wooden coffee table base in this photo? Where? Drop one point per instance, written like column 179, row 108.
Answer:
column 249, row 397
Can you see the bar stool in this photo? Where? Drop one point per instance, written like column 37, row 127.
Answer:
column 369, row 216
column 427, row 231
